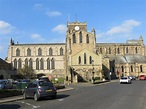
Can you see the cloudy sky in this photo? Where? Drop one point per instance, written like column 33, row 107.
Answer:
column 44, row 21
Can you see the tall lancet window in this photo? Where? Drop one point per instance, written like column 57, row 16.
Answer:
column 18, row 52
column 85, row 60
column 39, row 52
column 79, row 59
column 87, row 38
column 90, row 60
column 80, row 35
column 28, row 52
column 74, row 38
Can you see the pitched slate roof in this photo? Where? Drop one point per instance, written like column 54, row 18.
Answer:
column 131, row 59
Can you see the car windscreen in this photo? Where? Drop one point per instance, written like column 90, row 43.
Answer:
column 124, row 78
column 44, row 83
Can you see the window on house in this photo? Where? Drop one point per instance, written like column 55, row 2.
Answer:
column 74, row 38
column 28, row 52
column 17, row 52
column 80, row 35
column 39, row 52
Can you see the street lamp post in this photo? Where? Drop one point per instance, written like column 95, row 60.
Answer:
column 93, row 71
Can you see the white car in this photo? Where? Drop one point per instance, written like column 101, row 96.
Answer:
column 125, row 79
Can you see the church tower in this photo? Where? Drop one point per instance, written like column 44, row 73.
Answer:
column 80, row 51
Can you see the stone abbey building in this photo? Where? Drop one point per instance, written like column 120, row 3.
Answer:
column 80, row 58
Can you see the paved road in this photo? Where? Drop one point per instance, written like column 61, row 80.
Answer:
column 107, row 96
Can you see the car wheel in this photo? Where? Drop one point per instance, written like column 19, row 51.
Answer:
column 36, row 97
column 24, row 96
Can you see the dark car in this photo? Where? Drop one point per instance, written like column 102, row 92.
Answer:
column 40, row 89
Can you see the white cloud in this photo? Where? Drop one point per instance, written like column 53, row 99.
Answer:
column 36, row 37
column 122, row 31
column 5, row 28
column 60, row 28
column 53, row 13
column 125, row 27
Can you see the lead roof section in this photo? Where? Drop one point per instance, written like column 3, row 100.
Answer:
column 131, row 59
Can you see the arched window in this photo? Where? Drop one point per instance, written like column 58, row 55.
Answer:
column 87, row 38
column 17, row 52
column 28, row 52
column 118, row 50
column 26, row 62
column 52, row 64
column 85, row 58
column 141, row 70
column 15, row 63
column 50, row 52
column 39, row 52
column 41, row 64
column 122, row 68
column 127, row 50
column 136, row 50
column 80, row 36
column 90, row 60
column 100, row 50
column 37, row 64
column 131, row 68
column 74, row 38
column 30, row 63
column 48, row 63
column 109, row 50
column 19, row 63
column 61, row 51
column 79, row 60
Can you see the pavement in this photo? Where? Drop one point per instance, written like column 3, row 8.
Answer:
column 67, row 88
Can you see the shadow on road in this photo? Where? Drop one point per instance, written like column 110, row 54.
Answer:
column 10, row 106
column 62, row 96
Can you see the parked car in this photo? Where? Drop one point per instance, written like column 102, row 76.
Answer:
column 40, row 89
column 125, row 79
column 5, row 84
column 132, row 77
column 44, row 78
column 142, row 77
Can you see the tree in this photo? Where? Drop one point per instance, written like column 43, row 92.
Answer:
column 27, row 72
